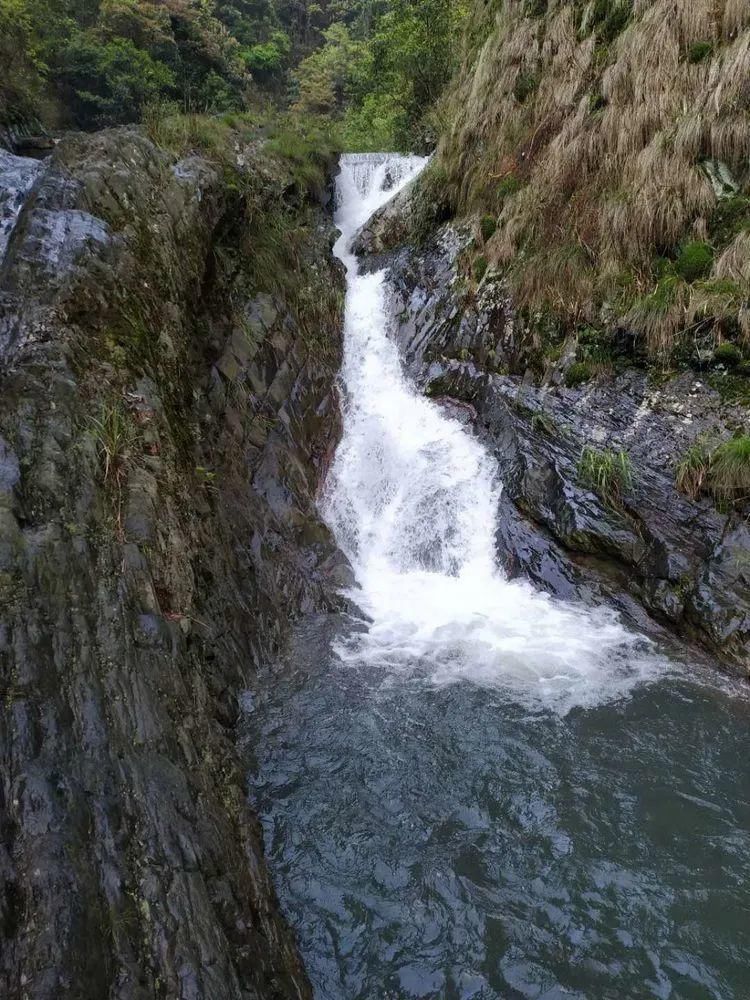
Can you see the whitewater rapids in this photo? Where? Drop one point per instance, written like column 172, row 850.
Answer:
column 412, row 498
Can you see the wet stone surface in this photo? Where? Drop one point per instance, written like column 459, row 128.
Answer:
column 165, row 424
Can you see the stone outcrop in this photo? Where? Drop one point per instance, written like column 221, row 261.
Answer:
column 672, row 565
column 167, row 411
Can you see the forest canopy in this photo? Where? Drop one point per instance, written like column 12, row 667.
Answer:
column 369, row 68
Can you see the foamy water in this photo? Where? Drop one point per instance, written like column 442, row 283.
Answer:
column 412, row 498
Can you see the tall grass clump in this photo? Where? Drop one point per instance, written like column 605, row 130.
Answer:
column 607, row 473
column 113, row 434
column 729, row 474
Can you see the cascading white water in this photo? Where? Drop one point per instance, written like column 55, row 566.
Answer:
column 412, row 499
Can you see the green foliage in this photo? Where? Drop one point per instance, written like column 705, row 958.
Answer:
column 728, row 355
column 508, row 186
column 307, row 150
column 610, row 17
column 382, row 83
column 487, row 227
column 268, row 59
column 729, row 473
column 730, row 217
column 594, row 346
column 694, row 261
column 699, row 51
column 578, row 373
column 608, row 473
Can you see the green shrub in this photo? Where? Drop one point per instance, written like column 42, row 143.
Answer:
column 578, row 373
column 743, row 369
column 608, row 473
column 728, row 355
column 729, row 474
column 488, row 226
column 480, row 268
column 699, row 51
column 694, row 261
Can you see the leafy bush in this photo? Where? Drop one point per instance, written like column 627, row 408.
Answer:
column 488, row 226
column 608, row 473
column 694, row 261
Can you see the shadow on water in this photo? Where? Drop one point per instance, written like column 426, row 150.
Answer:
column 444, row 841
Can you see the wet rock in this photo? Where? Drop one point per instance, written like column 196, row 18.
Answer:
column 158, row 532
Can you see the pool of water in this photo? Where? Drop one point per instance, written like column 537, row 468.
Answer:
column 452, row 841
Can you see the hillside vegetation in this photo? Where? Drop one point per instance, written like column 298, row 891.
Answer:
column 607, row 146
column 366, row 70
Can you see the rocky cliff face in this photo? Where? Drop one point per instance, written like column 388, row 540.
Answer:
column 167, row 410
column 674, row 566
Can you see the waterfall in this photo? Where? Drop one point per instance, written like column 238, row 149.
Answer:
column 412, row 499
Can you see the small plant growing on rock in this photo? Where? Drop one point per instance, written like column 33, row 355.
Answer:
column 542, row 423
column 578, row 373
column 693, row 468
column 114, row 435
column 722, row 471
column 608, row 473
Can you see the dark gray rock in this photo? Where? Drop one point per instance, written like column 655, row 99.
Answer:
column 165, row 422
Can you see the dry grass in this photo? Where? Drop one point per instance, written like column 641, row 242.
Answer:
column 590, row 149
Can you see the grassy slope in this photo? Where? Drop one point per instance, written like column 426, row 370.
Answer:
column 612, row 143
